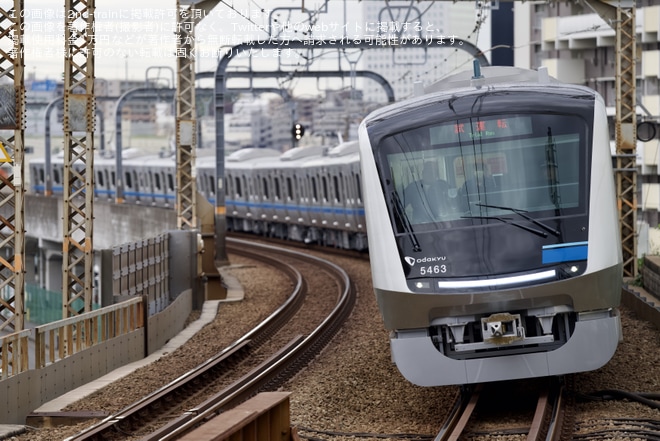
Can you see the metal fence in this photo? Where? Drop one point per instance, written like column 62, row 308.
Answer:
column 140, row 287
column 141, row 268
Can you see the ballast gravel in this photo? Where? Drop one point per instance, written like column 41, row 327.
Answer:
column 352, row 389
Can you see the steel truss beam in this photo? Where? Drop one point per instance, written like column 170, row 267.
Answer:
column 12, row 191
column 189, row 13
column 186, row 120
column 626, row 136
column 78, row 195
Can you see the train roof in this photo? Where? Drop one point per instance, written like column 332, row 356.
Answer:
column 345, row 148
column 344, row 153
column 495, row 78
column 492, row 76
column 251, row 153
column 303, row 152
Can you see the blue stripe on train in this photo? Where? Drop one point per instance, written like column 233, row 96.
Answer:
column 565, row 252
column 229, row 202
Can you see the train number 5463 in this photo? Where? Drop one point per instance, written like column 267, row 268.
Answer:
column 432, row 269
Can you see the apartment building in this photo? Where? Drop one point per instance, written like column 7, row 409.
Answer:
column 578, row 46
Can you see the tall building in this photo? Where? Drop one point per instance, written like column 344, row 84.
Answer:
column 578, row 46
column 424, row 63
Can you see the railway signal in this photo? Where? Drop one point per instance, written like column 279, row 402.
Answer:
column 297, row 131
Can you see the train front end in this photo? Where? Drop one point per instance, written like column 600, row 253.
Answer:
column 493, row 232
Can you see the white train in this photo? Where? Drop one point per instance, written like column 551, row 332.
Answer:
column 490, row 203
column 496, row 251
column 309, row 194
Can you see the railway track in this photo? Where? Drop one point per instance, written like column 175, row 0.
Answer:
column 545, row 424
column 244, row 368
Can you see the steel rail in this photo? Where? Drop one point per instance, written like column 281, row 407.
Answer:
column 271, row 373
column 557, row 412
column 546, row 425
column 460, row 414
column 253, row 339
column 275, row 371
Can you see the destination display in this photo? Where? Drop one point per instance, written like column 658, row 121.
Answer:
column 473, row 128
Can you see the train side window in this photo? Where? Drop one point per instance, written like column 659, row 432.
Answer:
column 278, row 193
column 324, row 182
column 56, row 176
column 315, row 192
column 113, row 179
column 157, row 181
column 211, row 185
column 239, row 190
column 265, row 184
column 337, row 184
column 42, row 177
column 289, row 186
column 302, row 189
column 359, row 188
column 99, row 179
column 170, row 182
column 129, row 181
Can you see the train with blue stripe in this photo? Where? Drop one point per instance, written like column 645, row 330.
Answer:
column 493, row 229
column 487, row 205
column 307, row 194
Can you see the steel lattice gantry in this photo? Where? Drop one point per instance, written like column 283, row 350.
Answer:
column 189, row 215
column 186, row 120
column 78, row 196
column 626, row 136
column 12, row 153
column 189, row 13
column 621, row 16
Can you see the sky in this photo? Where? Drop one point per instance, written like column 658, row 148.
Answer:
column 135, row 36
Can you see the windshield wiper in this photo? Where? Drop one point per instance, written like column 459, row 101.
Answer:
column 521, row 213
column 508, row 221
column 405, row 221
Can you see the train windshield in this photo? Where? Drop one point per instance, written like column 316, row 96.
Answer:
column 499, row 168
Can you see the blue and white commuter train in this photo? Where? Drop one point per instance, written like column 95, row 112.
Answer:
column 309, row 194
column 496, row 251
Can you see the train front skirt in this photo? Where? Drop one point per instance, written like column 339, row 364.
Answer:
column 591, row 346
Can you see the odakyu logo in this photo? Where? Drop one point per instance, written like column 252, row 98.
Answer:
column 412, row 261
